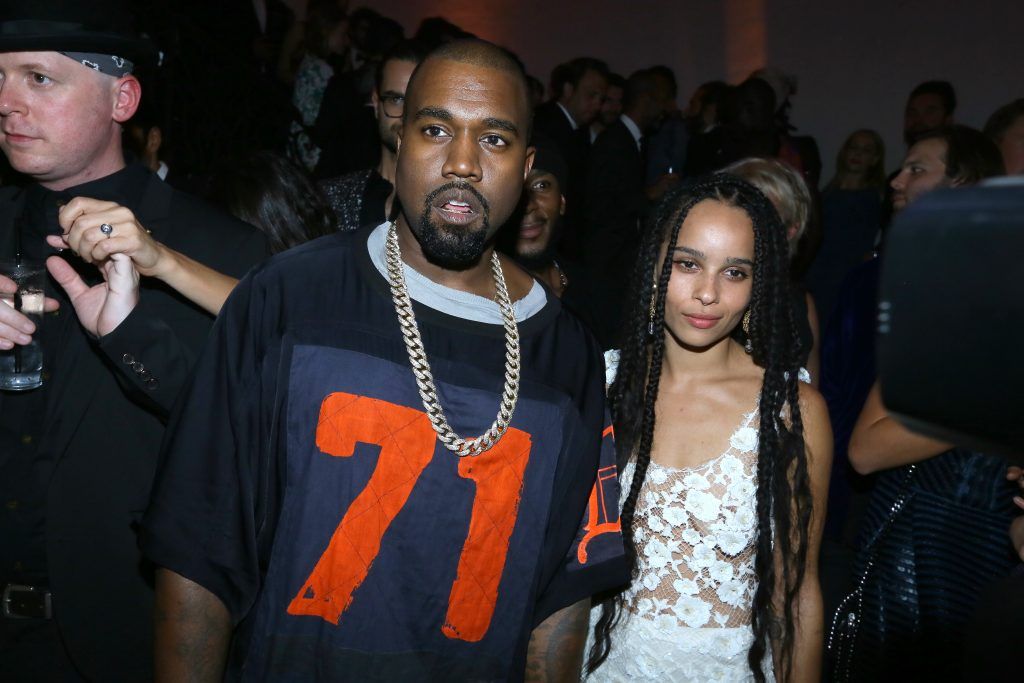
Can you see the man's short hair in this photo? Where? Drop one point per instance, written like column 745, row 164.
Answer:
column 572, row 73
column 405, row 51
column 617, row 81
column 482, row 53
column 971, row 156
column 640, row 83
column 1002, row 119
column 942, row 89
column 669, row 76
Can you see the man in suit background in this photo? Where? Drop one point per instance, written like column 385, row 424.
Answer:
column 615, row 202
column 578, row 88
column 77, row 455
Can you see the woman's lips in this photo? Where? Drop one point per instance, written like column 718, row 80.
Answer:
column 702, row 322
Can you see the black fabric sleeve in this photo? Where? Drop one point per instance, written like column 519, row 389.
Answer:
column 154, row 362
column 584, row 539
column 202, row 518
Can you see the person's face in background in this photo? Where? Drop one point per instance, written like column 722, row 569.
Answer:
column 924, row 113
column 584, row 101
column 57, row 117
column 860, row 154
column 545, row 206
column 923, row 170
column 1012, row 147
column 389, row 103
column 611, row 105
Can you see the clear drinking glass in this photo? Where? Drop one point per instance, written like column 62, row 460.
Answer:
column 21, row 368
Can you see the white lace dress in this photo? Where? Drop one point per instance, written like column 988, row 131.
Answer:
column 688, row 612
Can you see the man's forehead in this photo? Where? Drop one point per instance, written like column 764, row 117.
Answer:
column 49, row 59
column 442, row 83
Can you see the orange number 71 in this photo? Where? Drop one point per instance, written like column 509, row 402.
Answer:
column 407, row 444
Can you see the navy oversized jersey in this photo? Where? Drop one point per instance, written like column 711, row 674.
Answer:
column 304, row 486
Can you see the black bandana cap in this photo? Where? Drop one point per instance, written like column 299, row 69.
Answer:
column 111, row 65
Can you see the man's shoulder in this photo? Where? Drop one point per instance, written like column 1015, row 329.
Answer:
column 343, row 184
column 615, row 135
column 549, row 119
column 323, row 258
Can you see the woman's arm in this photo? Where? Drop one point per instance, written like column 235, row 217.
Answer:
column 808, row 613
column 879, row 442
column 203, row 286
column 814, row 358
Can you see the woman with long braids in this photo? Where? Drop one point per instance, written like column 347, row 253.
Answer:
column 724, row 455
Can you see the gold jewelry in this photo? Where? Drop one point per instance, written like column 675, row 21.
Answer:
column 421, row 366
column 650, row 311
column 562, row 279
column 748, row 346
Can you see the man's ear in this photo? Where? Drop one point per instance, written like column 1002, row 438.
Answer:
column 127, row 95
column 375, row 101
column 567, row 90
column 561, row 207
column 530, row 153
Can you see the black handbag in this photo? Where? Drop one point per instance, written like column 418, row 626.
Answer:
column 939, row 538
column 842, row 635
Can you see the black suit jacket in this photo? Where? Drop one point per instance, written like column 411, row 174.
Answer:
column 549, row 121
column 614, row 205
column 105, row 421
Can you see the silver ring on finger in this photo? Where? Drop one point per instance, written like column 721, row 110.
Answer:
column 107, row 229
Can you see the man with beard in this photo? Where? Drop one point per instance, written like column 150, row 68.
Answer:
column 364, row 197
column 323, row 510
column 535, row 244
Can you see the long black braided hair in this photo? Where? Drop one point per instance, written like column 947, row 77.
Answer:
column 783, row 501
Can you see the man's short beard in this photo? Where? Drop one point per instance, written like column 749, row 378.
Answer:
column 539, row 260
column 452, row 249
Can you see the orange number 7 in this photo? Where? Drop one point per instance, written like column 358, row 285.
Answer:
column 407, row 443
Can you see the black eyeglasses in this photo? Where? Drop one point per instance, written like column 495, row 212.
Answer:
column 393, row 105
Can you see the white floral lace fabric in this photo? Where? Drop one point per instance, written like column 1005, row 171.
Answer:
column 688, row 610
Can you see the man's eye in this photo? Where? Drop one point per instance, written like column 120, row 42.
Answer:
column 495, row 140
column 541, row 185
column 40, row 79
column 434, row 131
column 395, row 99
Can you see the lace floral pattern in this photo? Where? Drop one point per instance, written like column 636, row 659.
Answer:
column 688, row 610
column 695, row 534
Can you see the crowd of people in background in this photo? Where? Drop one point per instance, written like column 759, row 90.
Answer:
column 776, row 520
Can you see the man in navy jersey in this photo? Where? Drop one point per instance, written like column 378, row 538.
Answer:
column 323, row 511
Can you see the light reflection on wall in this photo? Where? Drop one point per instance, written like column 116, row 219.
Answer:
column 746, row 42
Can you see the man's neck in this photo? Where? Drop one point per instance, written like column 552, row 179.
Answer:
column 568, row 115
column 477, row 279
column 386, row 169
column 109, row 163
column 388, row 164
column 550, row 275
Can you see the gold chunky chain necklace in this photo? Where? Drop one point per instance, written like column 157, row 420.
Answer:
column 421, row 366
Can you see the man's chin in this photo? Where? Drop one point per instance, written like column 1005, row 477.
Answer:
column 453, row 247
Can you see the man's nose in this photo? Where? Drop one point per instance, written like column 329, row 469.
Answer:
column 463, row 159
